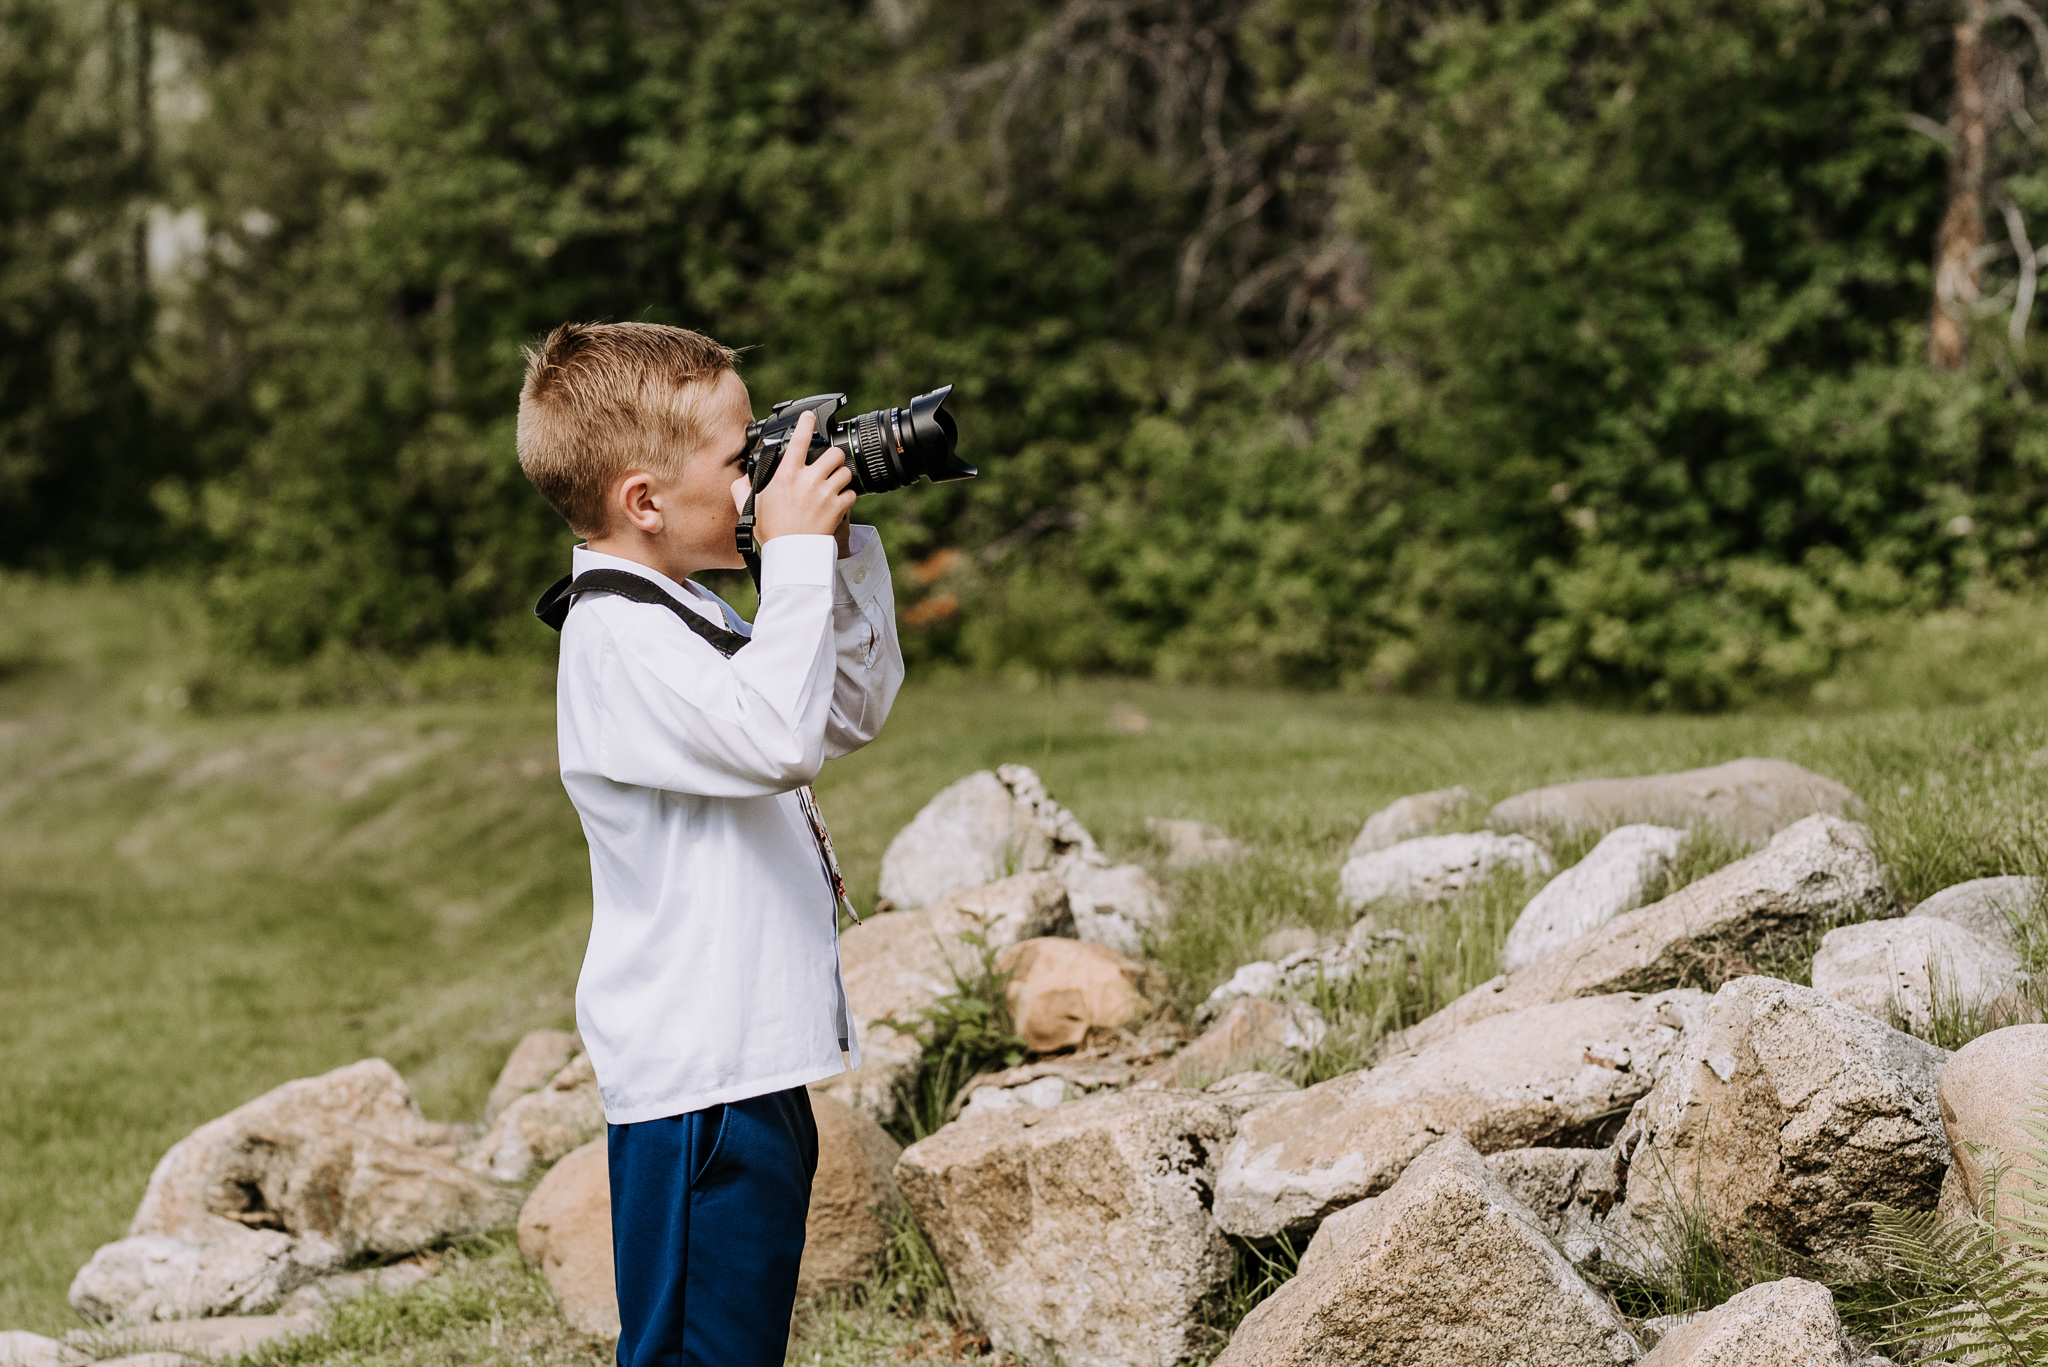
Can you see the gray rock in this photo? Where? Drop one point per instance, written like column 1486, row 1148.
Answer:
column 1987, row 906
column 539, row 1055
column 1571, row 1192
column 1082, row 1231
column 1547, row 1075
column 1433, row 867
column 1903, row 971
column 157, row 1359
column 1748, row 799
column 339, row 1156
column 990, row 825
column 1406, row 818
column 319, row 1295
column 1986, row 1090
column 1784, row 1112
column 1445, row 1268
column 1613, row 878
column 1252, row 1084
column 1302, row 971
column 1192, row 843
column 235, row 1272
column 541, row 1127
column 223, row 1336
column 1250, row 1033
column 1816, row 873
column 1789, row 1323
column 20, row 1348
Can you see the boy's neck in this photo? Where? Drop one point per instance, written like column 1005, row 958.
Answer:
column 645, row 551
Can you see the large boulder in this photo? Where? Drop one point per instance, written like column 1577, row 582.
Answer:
column 231, row 1271
column 1817, row 872
column 1749, row 800
column 988, row 825
column 1571, row 1192
column 1986, row 1089
column 566, row 1230
column 1406, row 818
column 339, row 1157
column 1614, row 877
column 1904, row 971
column 1433, row 867
column 539, row 1056
column 1988, row 906
column 542, row 1126
column 1445, row 1268
column 902, row 963
column 1059, row 990
column 1250, row 1034
column 1789, row 1323
column 1082, row 1231
column 1785, row 1112
column 853, row 1198
column 1548, row 1075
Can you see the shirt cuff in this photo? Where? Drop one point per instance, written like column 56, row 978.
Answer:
column 794, row 559
column 861, row 575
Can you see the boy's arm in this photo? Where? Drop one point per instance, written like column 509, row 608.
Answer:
column 675, row 714
column 869, row 661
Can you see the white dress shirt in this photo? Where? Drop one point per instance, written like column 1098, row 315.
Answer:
column 713, row 968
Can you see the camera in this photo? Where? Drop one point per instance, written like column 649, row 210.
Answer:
column 886, row 449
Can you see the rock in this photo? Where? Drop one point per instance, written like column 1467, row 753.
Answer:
column 1109, row 1066
column 1433, row 867
column 1039, row 1094
column 1987, row 1087
column 1082, row 1231
column 852, row 1198
column 1189, row 843
column 1789, row 1323
column 1306, row 969
column 1571, row 1192
column 991, row 824
column 1987, row 906
column 566, row 1229
column 1613, row 878
column 1749, row 800
column 224, row 1336
column 1289, row 940
column 1249, row 1034
column 1784, row 1111
column 1547, row 1075
column 233, row 1272
column 1253, row 1084
column 150, row 1360
column 20, row 1348
column 1445, row 1268
column 539, row 1055
column 1406, row 818
column 336, row 1157
column 317, row 1295
column 542, row 1126
column 1059, row 990
column 1902, row 971
column 898, row 965
column 1815, row 873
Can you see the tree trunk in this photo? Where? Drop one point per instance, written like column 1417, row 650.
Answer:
column 1962, row 228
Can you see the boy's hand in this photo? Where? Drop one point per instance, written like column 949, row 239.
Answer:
column 803, row 500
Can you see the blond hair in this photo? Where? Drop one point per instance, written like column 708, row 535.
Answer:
column 601, row 399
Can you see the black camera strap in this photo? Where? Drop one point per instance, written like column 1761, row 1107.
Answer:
column 553, row 608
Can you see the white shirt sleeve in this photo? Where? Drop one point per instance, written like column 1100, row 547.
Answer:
column 675, row 714
column 869, row 660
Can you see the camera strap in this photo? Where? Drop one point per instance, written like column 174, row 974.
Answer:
column 743, row 538
column 553, row 609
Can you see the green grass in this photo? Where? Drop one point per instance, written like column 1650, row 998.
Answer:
column 200, row 902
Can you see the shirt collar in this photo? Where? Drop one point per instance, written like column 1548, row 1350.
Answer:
column 583, row 558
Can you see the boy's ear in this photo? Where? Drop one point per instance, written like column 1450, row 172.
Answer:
column 637, row 503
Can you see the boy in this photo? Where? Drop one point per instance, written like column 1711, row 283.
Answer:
column 710, row 992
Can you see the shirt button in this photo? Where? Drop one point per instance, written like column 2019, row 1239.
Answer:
column 860, row 576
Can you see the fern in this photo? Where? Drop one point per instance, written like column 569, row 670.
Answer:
column 1975, row 1291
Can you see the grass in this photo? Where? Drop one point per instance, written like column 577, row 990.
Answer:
column 206, row 890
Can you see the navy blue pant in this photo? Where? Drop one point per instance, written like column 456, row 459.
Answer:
column 708, row 1228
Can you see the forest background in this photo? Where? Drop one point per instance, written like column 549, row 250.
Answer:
column 1660, row 351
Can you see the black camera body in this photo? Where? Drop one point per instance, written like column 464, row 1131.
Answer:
column 886, row 449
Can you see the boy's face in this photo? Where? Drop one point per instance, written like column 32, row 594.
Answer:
column 687, row 523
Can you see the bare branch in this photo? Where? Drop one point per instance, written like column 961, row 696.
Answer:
column 1940, row 132
column 2014, row 9
column 2023, row 302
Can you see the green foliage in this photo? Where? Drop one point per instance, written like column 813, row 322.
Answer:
column 1971, row 1290
column 1257, row 1271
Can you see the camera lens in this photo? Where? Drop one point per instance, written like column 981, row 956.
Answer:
column 891, row 447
